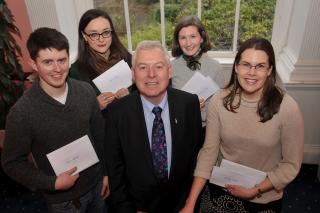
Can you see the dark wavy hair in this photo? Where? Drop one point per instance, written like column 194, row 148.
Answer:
column 185, row 22
column 46, row 38
column 91, row 64
column 272, row 95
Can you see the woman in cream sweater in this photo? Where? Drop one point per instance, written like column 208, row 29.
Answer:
column 254, row 123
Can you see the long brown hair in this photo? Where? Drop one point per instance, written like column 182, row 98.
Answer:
column 91, row 64
column 272, row 95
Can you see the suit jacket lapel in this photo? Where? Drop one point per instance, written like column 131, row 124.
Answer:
column 174, row 127
column 143, row 141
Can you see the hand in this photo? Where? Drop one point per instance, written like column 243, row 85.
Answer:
column 242, row 192
column 104, row 99
column 121, row 93
column 105, row 191
column 188, row 208
column 66, row 180
column 202, row 102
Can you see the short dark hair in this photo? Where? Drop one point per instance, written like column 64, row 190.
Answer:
column 272, row 95
column 46, row 38
column 186, row 22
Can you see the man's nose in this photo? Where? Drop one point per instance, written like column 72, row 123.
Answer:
column 57, row 67
column 151, row 72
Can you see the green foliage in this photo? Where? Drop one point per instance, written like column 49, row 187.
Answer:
column 11, row 74
column 171, row 11
column 256, row 19
column 218, row 17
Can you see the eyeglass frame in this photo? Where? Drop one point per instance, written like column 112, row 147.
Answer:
column 258, row 67
column 99, row 34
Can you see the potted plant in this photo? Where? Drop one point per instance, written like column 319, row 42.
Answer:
column 11, row 74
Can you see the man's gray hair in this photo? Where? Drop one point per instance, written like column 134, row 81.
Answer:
column 148, row 45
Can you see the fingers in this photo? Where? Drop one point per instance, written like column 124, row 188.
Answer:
column 71, row 171
column 104, row 99
column 105, row 188
column 202, row 102
column 66, row 180
column 71, row 174
column 122, row 92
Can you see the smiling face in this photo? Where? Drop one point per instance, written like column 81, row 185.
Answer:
column 52, row 66
column 190, row 40
column 98, row 25
column 151, row 74
column 252, row 72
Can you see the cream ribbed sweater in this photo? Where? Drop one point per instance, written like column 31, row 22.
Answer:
column 275, row 146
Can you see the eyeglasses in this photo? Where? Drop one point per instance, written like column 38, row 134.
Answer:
column 96, row 36
column 247, row 67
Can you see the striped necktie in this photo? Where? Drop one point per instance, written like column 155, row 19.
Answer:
column 159, row 146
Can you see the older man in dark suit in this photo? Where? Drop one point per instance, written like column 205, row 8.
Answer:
column 153, row 137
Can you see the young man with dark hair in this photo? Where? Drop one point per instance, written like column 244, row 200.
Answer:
column 53, row 113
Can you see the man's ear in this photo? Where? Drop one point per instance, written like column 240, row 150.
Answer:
column 170, row 71
column 132, row 72
column 33, row 64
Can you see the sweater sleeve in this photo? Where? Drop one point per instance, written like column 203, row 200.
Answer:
column 217, row 75
column 97, row 128
column 209, row 152
column 292, row 139
column 17, row 147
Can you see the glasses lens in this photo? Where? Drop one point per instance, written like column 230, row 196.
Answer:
column 245, row 66
column 106, row 34
column 260, row 67
column 94, row 36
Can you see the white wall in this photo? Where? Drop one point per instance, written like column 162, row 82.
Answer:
column 296, row 34
column 59, row 14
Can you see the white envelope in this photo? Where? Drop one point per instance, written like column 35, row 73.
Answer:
column 117, row 77
column 234, row 173
column 79, row 153
column 200, row 85
column 239, row 168
column 222, row 176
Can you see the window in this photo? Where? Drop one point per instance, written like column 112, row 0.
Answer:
column 228, row 22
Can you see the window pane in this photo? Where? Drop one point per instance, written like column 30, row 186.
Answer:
column 218, row 18
column 145, row 24
column 174, row 11
column 115, row 9
column 256, row 19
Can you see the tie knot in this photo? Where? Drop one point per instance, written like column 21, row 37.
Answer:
column 157, row 111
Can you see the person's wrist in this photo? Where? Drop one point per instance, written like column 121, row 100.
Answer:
column 259, row 191
column 189, row 203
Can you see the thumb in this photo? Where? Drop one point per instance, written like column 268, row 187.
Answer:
column 71, row 171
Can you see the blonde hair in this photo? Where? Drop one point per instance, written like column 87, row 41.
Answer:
column 148, row 45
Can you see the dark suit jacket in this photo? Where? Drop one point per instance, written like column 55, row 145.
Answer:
column 132, row 181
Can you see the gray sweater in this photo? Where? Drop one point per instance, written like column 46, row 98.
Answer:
column 209, row 67
column 39, row 124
